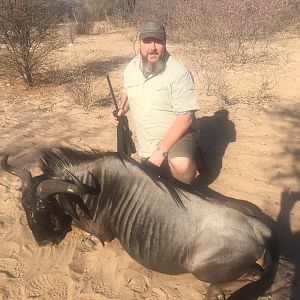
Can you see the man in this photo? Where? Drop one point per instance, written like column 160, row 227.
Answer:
column 160, row 92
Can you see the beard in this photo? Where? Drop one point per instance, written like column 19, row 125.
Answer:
column 152, row 68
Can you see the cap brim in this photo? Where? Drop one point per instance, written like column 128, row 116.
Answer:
column 156, row 35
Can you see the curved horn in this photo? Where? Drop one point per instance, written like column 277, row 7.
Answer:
column 23, row 174
column 50, row 187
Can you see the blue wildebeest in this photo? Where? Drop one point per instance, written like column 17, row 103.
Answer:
column 164, row 227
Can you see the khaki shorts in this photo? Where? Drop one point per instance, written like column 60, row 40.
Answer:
column 184, row 147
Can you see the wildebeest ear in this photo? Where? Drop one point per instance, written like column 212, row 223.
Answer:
column 97, row 189
column 67, row 205
column 86, row 189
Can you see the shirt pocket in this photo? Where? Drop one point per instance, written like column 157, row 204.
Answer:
column 159, row 98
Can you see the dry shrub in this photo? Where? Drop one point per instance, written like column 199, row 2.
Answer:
column 83, row 90
column 85, row 19
column 261, row 97
column 72, row 32
column 236, row 28
column 213, row 74
column 86, row 13
column 263, row 92
column 29, row 32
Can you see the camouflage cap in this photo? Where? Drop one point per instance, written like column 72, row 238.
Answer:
column 152, row 29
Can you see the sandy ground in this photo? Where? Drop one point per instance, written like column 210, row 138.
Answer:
column 259, row 157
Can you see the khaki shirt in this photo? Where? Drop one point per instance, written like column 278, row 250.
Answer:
column 154, row 101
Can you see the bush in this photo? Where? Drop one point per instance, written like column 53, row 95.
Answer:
column 233, row 27
column 88, row 12
column 85, row 19
column 29, row 32
column 82, row 89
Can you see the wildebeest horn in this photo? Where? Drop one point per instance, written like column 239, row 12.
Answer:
column 49, row 187
column 23, row 174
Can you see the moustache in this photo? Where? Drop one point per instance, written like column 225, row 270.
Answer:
column 152, row 53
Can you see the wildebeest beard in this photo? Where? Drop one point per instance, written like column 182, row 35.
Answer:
column 153, row 68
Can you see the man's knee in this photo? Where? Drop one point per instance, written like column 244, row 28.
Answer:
column 181, row 164
column 183, row 169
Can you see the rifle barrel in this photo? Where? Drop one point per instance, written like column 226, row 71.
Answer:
column 112, row 92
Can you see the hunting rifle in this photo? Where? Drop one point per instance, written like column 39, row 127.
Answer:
column 125, row 143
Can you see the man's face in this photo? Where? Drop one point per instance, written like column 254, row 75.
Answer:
column 152, row 49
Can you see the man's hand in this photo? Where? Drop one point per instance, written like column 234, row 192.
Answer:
column 116, row 115
column 156, row 158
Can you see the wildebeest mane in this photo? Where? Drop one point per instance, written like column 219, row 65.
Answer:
column 55, row 161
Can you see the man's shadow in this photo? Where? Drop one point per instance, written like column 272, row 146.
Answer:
column 213, row 136
column 289, row 241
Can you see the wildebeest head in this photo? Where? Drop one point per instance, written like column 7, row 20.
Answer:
column 49, row 213
column 46, row 219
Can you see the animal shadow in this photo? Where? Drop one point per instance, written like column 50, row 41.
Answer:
column 213, row 133
column 289, row 241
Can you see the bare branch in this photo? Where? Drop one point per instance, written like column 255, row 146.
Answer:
column 29, row 31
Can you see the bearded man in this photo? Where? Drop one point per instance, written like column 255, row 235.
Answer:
column 160, row 93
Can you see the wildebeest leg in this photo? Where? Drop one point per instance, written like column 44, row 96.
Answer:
column 216, row 291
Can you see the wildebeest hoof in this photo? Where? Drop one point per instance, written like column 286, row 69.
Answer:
column 214, row 293
column 215, row 297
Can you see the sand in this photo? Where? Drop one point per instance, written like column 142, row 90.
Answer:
column 258, row 148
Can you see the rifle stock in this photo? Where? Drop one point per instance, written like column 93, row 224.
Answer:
column 125, row 143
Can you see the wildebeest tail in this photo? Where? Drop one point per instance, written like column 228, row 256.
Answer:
column 258, row 288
